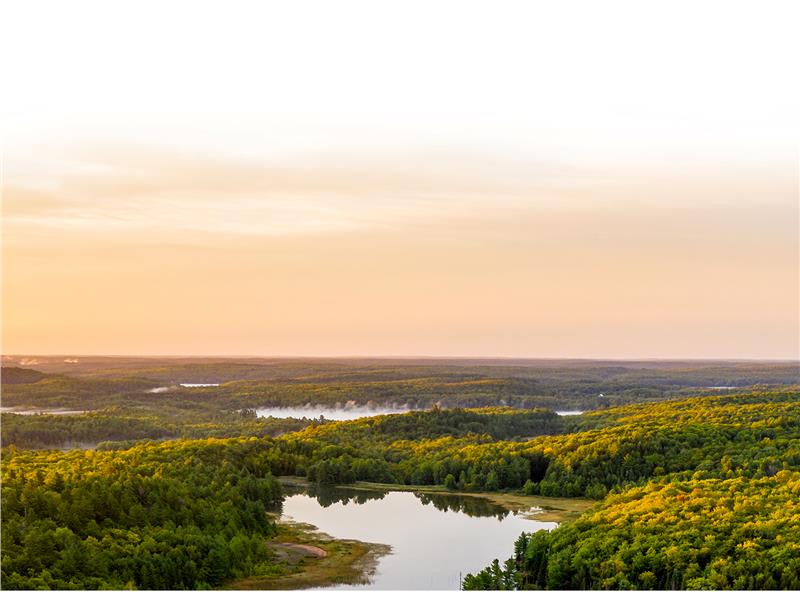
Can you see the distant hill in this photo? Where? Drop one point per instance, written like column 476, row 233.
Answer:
column 19, row 375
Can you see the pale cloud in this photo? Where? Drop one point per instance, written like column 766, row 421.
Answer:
column 121, row 188
column 157, row 253
column 550, row 179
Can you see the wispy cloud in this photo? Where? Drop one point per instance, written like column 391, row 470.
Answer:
column 125, row 188
column 150, row 251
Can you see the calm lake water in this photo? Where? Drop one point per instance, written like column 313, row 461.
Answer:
column 193, row 385
column 40, row 411
column 168, row 388
column 313, row 412
column 434, row 537
column 344, row 414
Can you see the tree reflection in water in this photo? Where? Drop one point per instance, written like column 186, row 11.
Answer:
column 327, row 495
column 472, row 506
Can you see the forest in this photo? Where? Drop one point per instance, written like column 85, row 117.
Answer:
column 123, row 400
column 691, row 493
column 115, row 427
column 179, row 515
column 738, row 533
column 723, row 512
column 93, row 383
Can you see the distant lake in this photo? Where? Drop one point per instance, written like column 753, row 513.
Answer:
column 344, row 414
column 167, row 388
column 434, row 537
column 336, row 414
column 16, row 410
column 191, row 385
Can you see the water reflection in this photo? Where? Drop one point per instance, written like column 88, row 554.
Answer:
column 327, row 495
column 435, row 537
column 473, row 506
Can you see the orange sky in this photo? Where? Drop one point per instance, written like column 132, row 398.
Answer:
column 150, row 253
column 276, row 184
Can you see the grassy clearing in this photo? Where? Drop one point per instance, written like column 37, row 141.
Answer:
column 544, row 508
column 345, row 561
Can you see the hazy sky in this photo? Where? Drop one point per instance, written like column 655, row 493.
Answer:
column 450, row 178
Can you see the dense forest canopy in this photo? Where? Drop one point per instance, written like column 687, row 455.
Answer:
column 692, row 493
column 736, row 533
column 130, row 399
column 89, row 383
column 176, row 515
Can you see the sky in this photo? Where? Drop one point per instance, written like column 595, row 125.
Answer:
column 520, row 179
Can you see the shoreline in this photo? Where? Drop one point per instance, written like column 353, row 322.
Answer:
column 309, row 558
column 312, row 559
column 539, row 508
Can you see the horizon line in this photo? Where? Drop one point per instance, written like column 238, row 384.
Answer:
column 401, row 357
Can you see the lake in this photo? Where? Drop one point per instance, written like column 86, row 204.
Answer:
column 196, row 385
column 167, row 388
column 344, row 414
column 16, row 410
column 334, row 414
column 435, row 538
